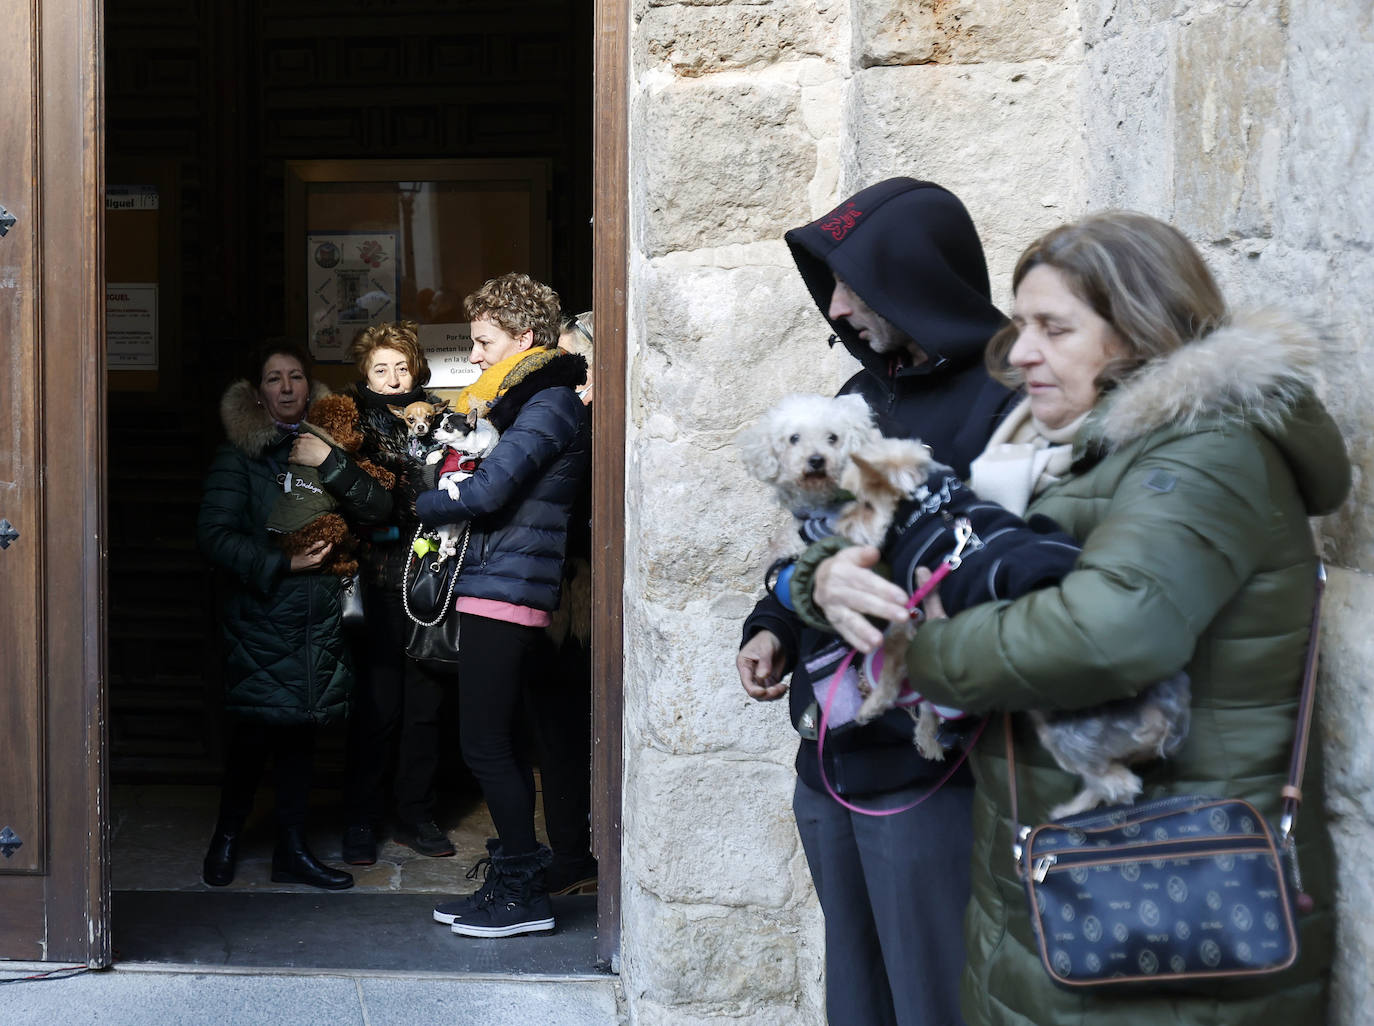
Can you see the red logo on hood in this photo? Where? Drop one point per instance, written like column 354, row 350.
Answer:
column 840, row 221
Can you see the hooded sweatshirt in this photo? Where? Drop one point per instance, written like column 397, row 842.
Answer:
column 909, row 250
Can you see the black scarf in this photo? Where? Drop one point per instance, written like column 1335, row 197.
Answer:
column 376, row 401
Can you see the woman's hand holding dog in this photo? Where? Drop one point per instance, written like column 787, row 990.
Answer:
column 309, row 450
column 760, row 663
column 848, row 592
column 312, row 557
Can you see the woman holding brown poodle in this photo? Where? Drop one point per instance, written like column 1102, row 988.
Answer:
column 287, row 669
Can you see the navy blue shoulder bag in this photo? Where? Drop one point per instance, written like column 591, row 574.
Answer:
column 1183, row 889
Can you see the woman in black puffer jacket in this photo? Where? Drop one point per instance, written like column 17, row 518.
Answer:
column 518, row 502
column 393, row 733
column 287, row 669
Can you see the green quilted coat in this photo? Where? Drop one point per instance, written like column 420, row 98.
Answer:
column 286, row 660
column 1190, row 494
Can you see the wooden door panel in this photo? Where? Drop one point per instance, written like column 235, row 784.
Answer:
column 22, row 829
column 54, row 892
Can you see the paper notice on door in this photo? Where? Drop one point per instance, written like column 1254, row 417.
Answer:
column 352, row 278
column 447, row 348
column 131, row 325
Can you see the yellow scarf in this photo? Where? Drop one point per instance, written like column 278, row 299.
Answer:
column 497, row 379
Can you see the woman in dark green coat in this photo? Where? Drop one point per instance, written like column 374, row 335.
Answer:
column 286, row 662
column 1185, row 449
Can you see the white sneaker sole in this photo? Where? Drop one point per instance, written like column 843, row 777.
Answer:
column 529, row 926
column 446, row 918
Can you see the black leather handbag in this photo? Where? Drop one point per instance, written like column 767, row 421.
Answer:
column 1182, row 889
column 427, row 594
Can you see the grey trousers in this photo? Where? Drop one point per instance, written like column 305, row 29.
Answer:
column 893, row 891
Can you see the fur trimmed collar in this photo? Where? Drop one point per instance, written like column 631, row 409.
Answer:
column 248, row 425
column 1254, row 370
column 562, row 369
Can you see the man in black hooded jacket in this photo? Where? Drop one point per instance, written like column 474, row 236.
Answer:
column 899, row 272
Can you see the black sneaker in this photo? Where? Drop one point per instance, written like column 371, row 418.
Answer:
column 426, row 838
column 446, row 912
column 506, row 918
column 359, row 847
column 517, row 902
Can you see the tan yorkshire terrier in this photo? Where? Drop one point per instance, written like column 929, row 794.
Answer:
column 909, row 506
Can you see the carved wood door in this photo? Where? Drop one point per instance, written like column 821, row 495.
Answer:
column 54, row 890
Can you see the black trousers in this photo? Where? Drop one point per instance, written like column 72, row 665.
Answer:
column 558, row 705
column 251, row 744
column 493, row 659
column 393, row 725
column 893, row 891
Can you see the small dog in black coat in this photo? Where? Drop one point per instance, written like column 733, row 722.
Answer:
column 907, row 505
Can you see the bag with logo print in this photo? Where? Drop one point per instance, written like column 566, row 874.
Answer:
column 1182, row 889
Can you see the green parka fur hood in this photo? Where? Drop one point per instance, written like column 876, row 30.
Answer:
column 1190, row 492
column 286, row 660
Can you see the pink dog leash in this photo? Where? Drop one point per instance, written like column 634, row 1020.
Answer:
column 963, row 533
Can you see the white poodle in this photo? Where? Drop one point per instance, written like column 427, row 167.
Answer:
column 801, row 447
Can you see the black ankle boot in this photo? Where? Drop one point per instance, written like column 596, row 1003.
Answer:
column 517, row 902
column 218, row 868
column 292, row 862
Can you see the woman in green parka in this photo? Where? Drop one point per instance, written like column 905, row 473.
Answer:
column 1185, row 449
column 286, row 667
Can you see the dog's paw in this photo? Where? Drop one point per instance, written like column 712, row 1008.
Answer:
column 927, row 734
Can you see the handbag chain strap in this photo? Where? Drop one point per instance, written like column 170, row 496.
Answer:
column 452, row 581
column 1297, row 763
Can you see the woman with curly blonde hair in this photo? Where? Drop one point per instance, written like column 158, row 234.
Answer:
column 518, row 503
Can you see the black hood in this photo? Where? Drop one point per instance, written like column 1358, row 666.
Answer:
column 910, row 251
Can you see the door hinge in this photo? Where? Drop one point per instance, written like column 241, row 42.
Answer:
column 9, row 842
column 6, row 222
column 7, row 534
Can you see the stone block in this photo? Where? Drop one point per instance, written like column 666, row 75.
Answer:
column 713, row 830
column 908, row 32
column 1325, row 197
column 709, row 959
column 1127, row 104
column 1104, row 19
column 719, row 163
column 702, row 525
column 1347, row 691
column 1346, row 709
column 732, row 340
column 1228, row 125
column 683, row 694
column 645, row 1011
column 694, row 40
column 917, row 122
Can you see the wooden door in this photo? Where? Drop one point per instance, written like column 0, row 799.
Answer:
column 54, row 888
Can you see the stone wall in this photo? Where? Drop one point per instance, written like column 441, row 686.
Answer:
column 1245, row 124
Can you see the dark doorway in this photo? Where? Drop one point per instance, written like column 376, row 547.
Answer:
column 206, row 104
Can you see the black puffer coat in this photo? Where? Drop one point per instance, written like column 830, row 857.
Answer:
column 286, row 660
column 520, row 498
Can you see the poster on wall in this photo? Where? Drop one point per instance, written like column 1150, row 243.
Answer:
column 131, row 325
column 447, row 348
column 352, row 279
